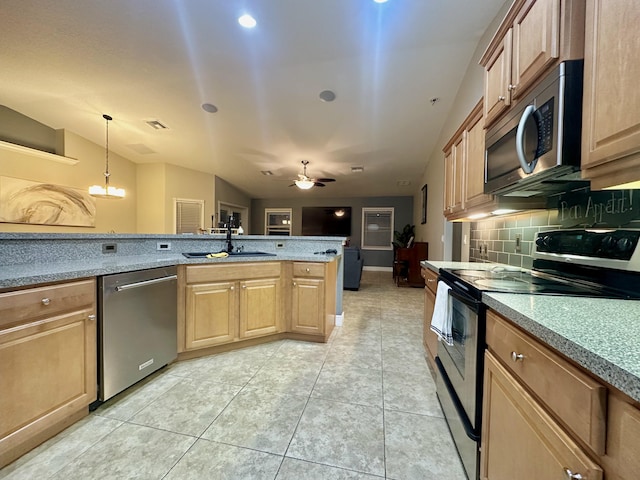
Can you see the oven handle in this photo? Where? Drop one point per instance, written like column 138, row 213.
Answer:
column 470, row 302
column 468, row 428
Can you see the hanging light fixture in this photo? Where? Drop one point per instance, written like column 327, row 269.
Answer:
column 303, row 182
column 106, row 191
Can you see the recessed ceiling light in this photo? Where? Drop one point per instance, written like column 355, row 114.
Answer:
column 327, row 96
column 403, row 183
column 247, row 21
column 357, row 169
column 209, row 107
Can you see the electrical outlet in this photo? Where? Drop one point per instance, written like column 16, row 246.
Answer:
column 279, row 245
column 518, row 243
column 109, row 247
column 163, row 246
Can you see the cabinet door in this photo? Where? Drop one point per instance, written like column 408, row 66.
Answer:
column 47, row 372
column 211, row 314
column 520, row 440
column 307, row 306
column 448, row 182
column 497, row 78
column 611, row 121
column 458, row 173
column 260, row 312
column 430, row 340
column 474, row 191
column 535, row 42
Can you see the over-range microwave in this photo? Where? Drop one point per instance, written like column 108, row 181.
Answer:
column 535, row 149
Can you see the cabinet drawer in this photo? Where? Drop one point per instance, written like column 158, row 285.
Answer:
column 308, row 269
column 430, row 279
column 236, row 271
column 573, row 397
column 23, row 305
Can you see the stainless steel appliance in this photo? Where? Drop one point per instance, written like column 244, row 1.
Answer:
column 596, row 263
column 535, row 149
column 137, row 326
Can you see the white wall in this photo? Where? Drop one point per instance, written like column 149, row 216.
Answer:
column 467, row 96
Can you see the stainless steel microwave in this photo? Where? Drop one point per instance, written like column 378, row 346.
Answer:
column 535, row 149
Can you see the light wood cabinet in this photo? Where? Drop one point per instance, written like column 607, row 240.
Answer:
column 232, row 302
column 313, row 299
column 47, row 362
column 520, row 439
column 611, row 113
column 429, row 338
column 622, row 461
column 534, row 36
column 575, row 399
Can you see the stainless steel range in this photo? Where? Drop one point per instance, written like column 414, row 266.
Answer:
column 592, row 263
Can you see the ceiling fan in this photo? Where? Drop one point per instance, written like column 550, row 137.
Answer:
column 305, row 182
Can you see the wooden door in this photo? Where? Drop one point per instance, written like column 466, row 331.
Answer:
column 611, row 117
column 536, row 40
column 260, row 312
column 520, row 439
column 211, row 314
column 308, row 306
column 497, row 78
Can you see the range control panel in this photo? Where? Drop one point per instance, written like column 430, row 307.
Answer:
column 603, row 244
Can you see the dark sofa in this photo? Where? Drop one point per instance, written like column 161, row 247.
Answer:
column 353, row 263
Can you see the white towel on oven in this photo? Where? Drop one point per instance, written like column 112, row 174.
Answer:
column 441, row 319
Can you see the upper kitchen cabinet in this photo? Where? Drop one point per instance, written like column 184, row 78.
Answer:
column 534, row 36
column 453, row 175
column 611, row 109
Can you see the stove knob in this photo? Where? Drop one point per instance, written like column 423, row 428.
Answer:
column 608, row 243
column 624, row 244
column 543, row 242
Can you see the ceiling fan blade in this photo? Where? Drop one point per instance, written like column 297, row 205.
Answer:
column 318, row 184
column 325, row 180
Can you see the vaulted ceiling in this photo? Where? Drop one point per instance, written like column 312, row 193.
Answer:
column 394, row 67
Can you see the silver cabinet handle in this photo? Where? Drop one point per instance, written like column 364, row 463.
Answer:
column 91, row 317
column 46, row 301
column 144, row 283
column 517, row 356
column 307, row 270
column 512, row 87
column 294, row 284
column 232, row 287
column 572, row 476
column 501, row 98
column 431, row 280
column 244, row 286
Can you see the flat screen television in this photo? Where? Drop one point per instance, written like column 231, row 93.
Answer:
column 326, row 221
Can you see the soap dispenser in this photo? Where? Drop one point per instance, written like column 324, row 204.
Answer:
column 240, row 230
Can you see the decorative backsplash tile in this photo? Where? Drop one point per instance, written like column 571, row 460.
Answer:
column 496, row 239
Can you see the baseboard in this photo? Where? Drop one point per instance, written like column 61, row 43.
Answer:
column 339, row 319
column 378, row 269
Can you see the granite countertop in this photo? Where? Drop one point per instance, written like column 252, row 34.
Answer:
column 601, row 335
column 24, row 274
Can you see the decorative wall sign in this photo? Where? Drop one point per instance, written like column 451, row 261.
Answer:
column 24, row 201
column 607, row 208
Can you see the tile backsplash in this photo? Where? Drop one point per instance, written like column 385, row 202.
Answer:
column 497, row 239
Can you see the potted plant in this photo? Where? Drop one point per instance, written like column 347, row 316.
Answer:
column 404, row 238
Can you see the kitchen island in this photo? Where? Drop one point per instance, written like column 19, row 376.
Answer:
column 49, row 307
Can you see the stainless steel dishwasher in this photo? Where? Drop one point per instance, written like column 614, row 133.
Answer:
column 137, row 326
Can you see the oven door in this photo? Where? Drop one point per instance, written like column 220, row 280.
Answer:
column 461, row 360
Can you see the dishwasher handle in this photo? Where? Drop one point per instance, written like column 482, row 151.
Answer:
column 129, row 286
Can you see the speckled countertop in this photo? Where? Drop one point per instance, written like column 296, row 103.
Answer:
column 601, row 335
column 30, row 259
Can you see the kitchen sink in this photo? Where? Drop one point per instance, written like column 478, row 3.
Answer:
column 231, row 254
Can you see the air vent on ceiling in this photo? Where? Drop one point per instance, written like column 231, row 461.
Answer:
column 156, row 124
column 404, row 183
column 357, row 169
column 268, row 173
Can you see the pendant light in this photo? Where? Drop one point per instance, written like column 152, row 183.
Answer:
column 106, row 191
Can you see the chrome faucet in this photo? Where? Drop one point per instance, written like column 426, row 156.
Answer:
column 229, row 226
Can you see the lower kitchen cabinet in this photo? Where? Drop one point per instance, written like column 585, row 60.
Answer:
column 313, row 298
column 228, row 303
column 47, row 362
column 520, row 439
column 429, row 339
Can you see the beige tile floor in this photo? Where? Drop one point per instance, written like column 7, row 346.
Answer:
column 361, row 407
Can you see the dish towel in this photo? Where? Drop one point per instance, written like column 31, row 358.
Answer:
column 441, row 319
